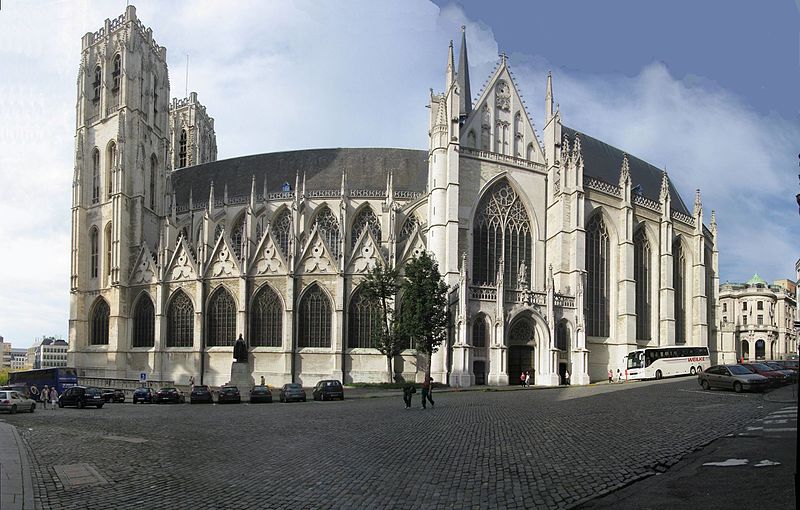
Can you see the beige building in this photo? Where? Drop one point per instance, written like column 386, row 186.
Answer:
column 561, row 252
column 47, row 353
column 757, row 320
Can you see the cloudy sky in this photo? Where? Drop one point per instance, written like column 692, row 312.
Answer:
column 708, row 91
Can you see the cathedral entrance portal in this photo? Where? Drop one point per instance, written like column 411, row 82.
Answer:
column 521, row 343
column 479, row 369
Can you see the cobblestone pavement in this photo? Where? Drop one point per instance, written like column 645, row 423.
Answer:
column 514, row 449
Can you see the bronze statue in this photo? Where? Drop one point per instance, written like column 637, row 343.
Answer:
column 240, row 350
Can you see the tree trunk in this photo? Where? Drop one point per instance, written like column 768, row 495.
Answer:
column 389, row 371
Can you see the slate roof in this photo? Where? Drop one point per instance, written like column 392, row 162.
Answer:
column 603, row 162
column 366, row 169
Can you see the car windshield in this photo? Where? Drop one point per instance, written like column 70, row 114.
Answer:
column 739, row 370
column 774, row 365
column 201, row 388
column 260, row 389
column 762, row 366
column 230, row 389
column 293, row 387
column 167, row 389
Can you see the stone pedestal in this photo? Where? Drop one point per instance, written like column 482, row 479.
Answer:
column 242, row 378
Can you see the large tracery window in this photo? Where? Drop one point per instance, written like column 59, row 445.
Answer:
column 597, row 277
column 153, row 167
column 144, row 326
column 98, row 79
column 95, row 176
column 364, row 321
column 180, row 321
column 502, row 232
column 562, row 336
column 479, row 332
column 98, row 333
column 366, row 220
column 641, row 274
column 679, row 277
column 281, row 229
column 237, row 238
column 314, row 322
column 182, row 149
column 112, row 161
column 409, row 226
column 221, row 319
column 94, row 259
column 328, row 227
column 266, row 319
column 116, row 75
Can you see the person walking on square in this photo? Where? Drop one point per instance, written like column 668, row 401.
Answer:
column 427, row 387
column 408, row 391
column 566, row 377
column 619, row 376
column 527, row 379
column 610, row 376
column 522, row 378
column 53, row 398
column 45, row 395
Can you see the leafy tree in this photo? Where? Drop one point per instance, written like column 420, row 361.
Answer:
column 424, row 317
column 380, row 287
column 4, row 376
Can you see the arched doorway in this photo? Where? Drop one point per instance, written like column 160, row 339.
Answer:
column 563, row 346
column 761, row 348
column 521, row 342
column 745, row 350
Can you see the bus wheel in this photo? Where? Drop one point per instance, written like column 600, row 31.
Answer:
column 692, row 371
column 658, row 374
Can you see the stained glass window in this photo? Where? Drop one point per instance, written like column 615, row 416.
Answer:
column 98, row 334
column 597, row 285
column 366, row 220
column 479, row 332
column 180, row 321
column 314, row 323
column 641, row 273
column 221, row 319
column 144, row 323
column 364, row 321
column 281, row 229
column 266, row 319
column 679, row 277
column 328, row 227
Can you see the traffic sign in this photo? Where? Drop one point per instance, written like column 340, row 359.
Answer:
column 142, row 376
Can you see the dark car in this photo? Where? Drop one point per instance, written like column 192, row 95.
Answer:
column 108, row 394
column 292, row 393
column 775, row 378
column 328, row 390
column 143, row 395
column 788, row 364
column 169, row 394
column 81, row 396
column 735, row 377
column 229, row 394
column 201, row 393
column 119, row 396
column 791, row 375
column 260, row 394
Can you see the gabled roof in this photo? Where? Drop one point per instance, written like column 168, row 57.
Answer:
column 603, row 161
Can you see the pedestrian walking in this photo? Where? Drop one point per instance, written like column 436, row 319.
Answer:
column 427, row 387
column 619, row 376
column 527, row 379
column 522, row 378
column 408, row 391
column 53, row 398
column 566, row 377
column 44, row 396
column 191, row 381
column 610, row 375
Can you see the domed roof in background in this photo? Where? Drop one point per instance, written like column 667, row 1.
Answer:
column 756, row 280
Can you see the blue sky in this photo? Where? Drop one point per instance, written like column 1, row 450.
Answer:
column 705, row 89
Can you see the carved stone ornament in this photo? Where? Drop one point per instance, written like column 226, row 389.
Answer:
column 144, row 271
column 503, row 96
column 268, row 262
column 182, row 270
column 223, row 265
column 366, row 259
column 317, row 260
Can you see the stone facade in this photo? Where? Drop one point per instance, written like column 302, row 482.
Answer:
column 559, row 251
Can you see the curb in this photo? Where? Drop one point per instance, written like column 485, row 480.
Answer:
column 25, row 468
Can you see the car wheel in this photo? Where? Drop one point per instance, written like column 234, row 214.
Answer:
column 14, row 409
column 32, row 409
column 658, row 374
column 704, row 384
column 692, row 371
column 99, row 406
column 737, row 387
column 80, row 404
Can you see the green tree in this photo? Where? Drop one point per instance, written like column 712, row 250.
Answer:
column 4, row 376
column 380, row 287
column 424, row 316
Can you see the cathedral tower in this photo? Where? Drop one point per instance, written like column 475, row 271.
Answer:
column 193, row 139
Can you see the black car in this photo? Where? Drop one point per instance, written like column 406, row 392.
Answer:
column 143, row 395
column 119, row 396
column 260, row 394
column 292, row 393
column 201, row 393
column 81, row 396
column 108, row 394
column 229, row 394
column 169, row 394
column 328, row 390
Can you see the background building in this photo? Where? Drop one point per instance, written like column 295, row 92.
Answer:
column 48, row 352
column 19, row 360
column 561, row 253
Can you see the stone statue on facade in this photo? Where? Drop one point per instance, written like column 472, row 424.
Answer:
column 240, row 350
column 522, row 276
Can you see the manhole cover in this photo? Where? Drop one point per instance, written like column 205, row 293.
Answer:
column 72, row 475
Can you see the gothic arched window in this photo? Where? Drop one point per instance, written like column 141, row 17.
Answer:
column 107, row 243
column 180, row 321
column 221, row 319
column 281, row 229
column 182, row 149
column 641, row 274
column 94, row 248
column 479, row 332
column 116, row 74
column 237, row 237
column 266, row 319
column 409, row 226
column 98, row 80
column 363, row 319
column 562, row 337
column 597, row 285
column 112, row 161
column 314, row 323
column 328, row 228
column 153, row 167
column 679, row 278
column 155, row 98
column 366, row 220
column 502, row 231
column 144, row 326
column 98, row 333
column 95, row 175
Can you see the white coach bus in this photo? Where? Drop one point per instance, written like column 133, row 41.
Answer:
column 661, row 362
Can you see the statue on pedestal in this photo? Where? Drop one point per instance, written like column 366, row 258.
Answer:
column 240, row 350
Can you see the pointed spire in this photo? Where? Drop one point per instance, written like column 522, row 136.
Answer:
column 304, row 183
column 451, row 68
column 564, row 150
column 664, row 194
column 225, row 194
column 265, row 196
column 210, row 205
column 698, row 203
column 253, row 193
column 343, row 187
column 577, row 153
column 548, row 98
column 713, row 222
column 625, row 172
column 463, row 76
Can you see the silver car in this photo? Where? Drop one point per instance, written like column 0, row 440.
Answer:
column 12, row 402
column 732, row 377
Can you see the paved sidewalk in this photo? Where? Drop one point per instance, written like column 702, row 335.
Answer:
column 16, row 487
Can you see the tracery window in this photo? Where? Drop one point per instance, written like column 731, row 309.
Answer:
column 180, row 321
column 237, row 238
column 364, row 321
column 98, row 79
column 218, row 232
column 95, row 176
column 182, row 149
column 479, row 332
column 94, row 260
column 641, row 274
column 266, row 319
column 98, row 334
column 597, row 285
column 411, row 224
column 116, row 74
column 315, row 319
column 112, row 160
column 155, row 98
column 502, row 231
column 153, row 166
column 144, row 326
column 281, row 229
column 521, row 332
column 107, row 242
column 679, row 277
column 221, row 319
column 562, row 336
column 328, row 227
column 366, row 220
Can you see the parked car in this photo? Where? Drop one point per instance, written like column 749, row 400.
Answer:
column 328, row 390
column 229, row 394
column 735, row 377
column 260, row 394
column 791, row 375
column 790, row 364
column 119, row 396
column 108, row 394
column 82, row 396
column 201, row 393
column 169, row 394
column 143, row 395
column 292, row 392
column 13, row 401
column 775, row 378
column 22, row 389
